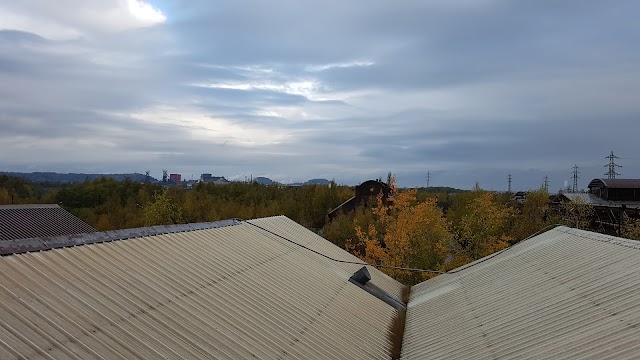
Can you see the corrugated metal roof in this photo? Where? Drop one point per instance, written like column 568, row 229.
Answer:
column 38, row 220
column 564, row 294
column 234, row 292
column 596, row 201
column 586, row 197
column 17, row 246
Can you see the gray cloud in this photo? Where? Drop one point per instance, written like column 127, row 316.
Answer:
column 468, row 90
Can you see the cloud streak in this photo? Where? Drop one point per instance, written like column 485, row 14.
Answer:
column 468, row 90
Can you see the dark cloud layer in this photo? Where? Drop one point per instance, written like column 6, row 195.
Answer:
column 468, row 90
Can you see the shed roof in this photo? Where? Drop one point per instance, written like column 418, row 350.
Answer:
column 616, row 183
column 586, row 197
column 231, row 292
column 38, row 220
column 563, row 294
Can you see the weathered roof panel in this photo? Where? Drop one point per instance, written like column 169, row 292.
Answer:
column 563, row 294
column 586, row 197
column 38, row 220
column 232, row 292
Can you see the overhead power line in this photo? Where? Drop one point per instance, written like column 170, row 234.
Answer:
column 395, row 267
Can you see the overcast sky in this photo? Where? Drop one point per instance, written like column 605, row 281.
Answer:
column 469, row 90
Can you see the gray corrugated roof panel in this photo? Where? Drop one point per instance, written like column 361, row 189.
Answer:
column 586, row 197
column 232, row 292
column 38, row 220
column 317, row 243
column 563, row 294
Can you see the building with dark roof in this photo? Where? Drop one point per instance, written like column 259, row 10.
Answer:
column 616, row 189
column 366, row 194
column 38, row 221
column 271, row 289
column 613, row 200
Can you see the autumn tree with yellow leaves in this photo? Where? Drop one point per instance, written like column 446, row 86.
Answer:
column 479, row 223
column 403, row 235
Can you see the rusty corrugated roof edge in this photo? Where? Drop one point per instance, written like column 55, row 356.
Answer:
column 19, row 246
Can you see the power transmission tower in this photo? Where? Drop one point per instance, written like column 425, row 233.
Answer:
column 428, row 178
column 574, row 188
column 611, row 174
column 509, row 180
column 546, row 183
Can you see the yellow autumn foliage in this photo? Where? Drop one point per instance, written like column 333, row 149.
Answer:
column 404, row 235
column 480, row 226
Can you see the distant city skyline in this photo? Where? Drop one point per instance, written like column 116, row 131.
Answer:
column 522, row 180
column 471, row 91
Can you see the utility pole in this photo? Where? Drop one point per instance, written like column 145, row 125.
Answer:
column 546, row 183
column 574, row 188
column 611, row 174
column 428, row 178
column 509, row 180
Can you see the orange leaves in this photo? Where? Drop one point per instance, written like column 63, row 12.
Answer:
column 404, row 235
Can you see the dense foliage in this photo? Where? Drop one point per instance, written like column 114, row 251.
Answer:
column 108, row 204
column 418, row 233
column 415, row 228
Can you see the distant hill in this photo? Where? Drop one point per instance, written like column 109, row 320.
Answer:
column 263, row 180
column 317, row 182
column 441, row 189
column 312, row 182
column 54, row 177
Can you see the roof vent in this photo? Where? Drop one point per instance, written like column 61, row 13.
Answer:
column 361, row 279
column 361, row 276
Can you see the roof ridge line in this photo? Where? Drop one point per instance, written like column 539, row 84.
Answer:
column 19, row 246
column 604, row 238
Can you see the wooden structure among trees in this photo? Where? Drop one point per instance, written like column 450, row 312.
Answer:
column 366, row 194
column 616, row 189
column 610, row 203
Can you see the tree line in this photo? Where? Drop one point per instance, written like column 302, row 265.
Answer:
column 415, row 228
column 107, row 204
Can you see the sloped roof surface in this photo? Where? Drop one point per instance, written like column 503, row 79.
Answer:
column 565, row 294
column 616, row 183
column 38, row 220
column 586, row 197
column 233, row 292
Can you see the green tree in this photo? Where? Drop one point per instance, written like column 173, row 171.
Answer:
column 162, row 212
column 479, row 225
column 576, row 213
column 631, row 228
column 533, row 216
column 5, row 197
